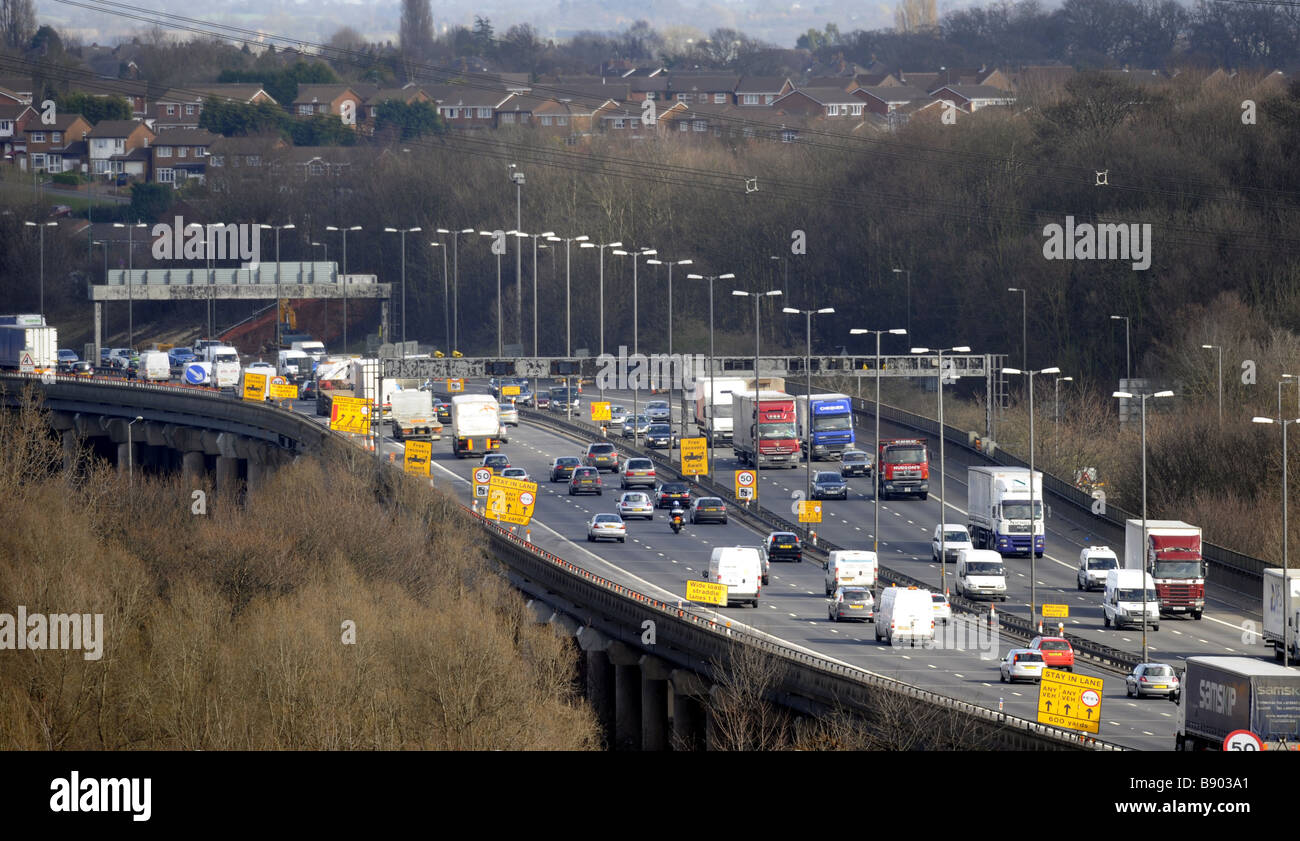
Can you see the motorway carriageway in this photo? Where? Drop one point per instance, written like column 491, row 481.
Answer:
column 792, row 608
column 907, row 525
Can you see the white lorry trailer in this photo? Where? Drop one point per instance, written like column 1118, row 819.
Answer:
column 475, row 424
column 1282, row 610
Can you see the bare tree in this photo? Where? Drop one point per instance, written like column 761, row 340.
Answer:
column 743, row 717
column 17, row 22
column 915, row 16
column 417, row 28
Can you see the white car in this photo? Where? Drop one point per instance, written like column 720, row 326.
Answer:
column 955, row 539
column 942, row 609
column 260, row 367
column 509, row 413
column 1021, row 664
column 606, row 527
column 516, row 473
column 636, row 504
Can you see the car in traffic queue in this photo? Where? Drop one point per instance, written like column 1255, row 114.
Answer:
column 560, row 405
column 562, row 467
column 496, row 462
column 503, row 433
column 602, row 457
column 66, row 355
column 852, row 604
column 443, row 410
column 708, row 509
column 658, row 411
column 617, row 417
column 585, row 480
column 784, row 546
column 82, row 369
column 827, row 484
column 639, row 473
column 606, row 527
column 1057, row 652
column 855, row 463
column 660, row 436
column 636, row 504
column 955, row 538
column 1153, row 679
column 673, row 492
column 1021, row 664
column 942, row 608
column 635, row 425
column 509, row 412
column 178, row 356
column 516, row 473
column 543, row 400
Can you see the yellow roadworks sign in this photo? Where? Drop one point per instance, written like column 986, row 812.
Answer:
column 706, row 592
column 1067, row 699
column 1056, row 611
column 600, row 412
column 746, row 484
column 350, row 414
column 455, row 385
column 810, row 511
column 695, row 456
column 509, row 391
column 418, row 454
column 254, row 386
column 511, row 500
column 283, row 392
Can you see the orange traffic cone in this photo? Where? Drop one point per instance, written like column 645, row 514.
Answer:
column 993, row 614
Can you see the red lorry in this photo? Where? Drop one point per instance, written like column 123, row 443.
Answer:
column 764, row 429
column 903, row 468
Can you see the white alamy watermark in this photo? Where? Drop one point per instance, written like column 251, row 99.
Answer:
column 75, row 793
column 179, row 241
column 958, row 635
column 646, row 371
column 1103, row 241
column 53, row 632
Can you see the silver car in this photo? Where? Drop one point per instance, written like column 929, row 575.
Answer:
column 516, row 473
column 658, row 411
column 852, row 604
column 617, row 416
column 606, row 527
column 510, row 414
column 635, row 425
column 636, row 504
column 1153, row 679
column 1021, row 664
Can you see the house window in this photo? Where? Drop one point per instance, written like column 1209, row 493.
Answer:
column 305, row 110
column 507, row 117
column 38, row 137
column 453, row 113
column 101, row 166
column 38, row 161
column 217, row 160
column 56, row 137
column 118, row 145
column 618, row 122
column 857, row 111
column 254, row 160
column 162, row 151
column 546, row 121
column 700, row 125
column 683, row 97
column 751, row 99
column 189, row 110
column 316, row 168
column 719, row 99
column 832, row 110
column 166, row 176
column 787, row 136
column 561, row 121
column 181, row 151
column 485, row 113
column 682, row 126
column 201, row 152
column 767, row 100
column 171, row 110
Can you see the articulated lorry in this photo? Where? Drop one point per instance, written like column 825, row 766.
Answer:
column 713, row 406
column 1172, row 553
column 1282, row 614
column 20, row 334
column 831, row 417
column 998, row 505
column 764, row 429
column 903, row 468
column 1220, row 695
column 475, row 424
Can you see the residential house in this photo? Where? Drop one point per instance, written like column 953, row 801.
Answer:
column 181, row 154
column 181, row 107
column 328, row 99
column 135, row 92
column 849, row 83
column 753, row 91
column 571, row 119
column 465, row 107
column 974, row 97
column 233, row 159
column 14, row 118
column 886, row 98
column 625, row 121
column 653, row 87
column 828, row 102
column 120, row 147
column 46, row 142
column 16, row 90
column 702, row 88
column 316, row 161
column 408, row 95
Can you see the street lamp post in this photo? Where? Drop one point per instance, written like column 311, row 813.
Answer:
column 636, row 381
column 130, row 452
column 807, row 365
column 943, row 497
column 1033, row 514
column 670, row 264
column 1024, row 325
column 1286, row 534
column 712, row 408
column 1219, row 348
column 909, row 297
column 455, row 283
column 1128, row 356
column 758, row 300
column 344, row 278
column 518, row 178
column 1056, row 434
column 130, row 284
column 446, row 304
column 875, row 455
column 404, row 232
column 278, row 298
column 535, row 238
column 500, row 346
column 207, row 262
column 568, row 314
column 1130, row 396
column 602, row 246
column 40, row 227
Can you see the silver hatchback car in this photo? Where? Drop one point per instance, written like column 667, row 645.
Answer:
column 852, row 604
column 509, row 413
column 636, row 504
column 1021, row 664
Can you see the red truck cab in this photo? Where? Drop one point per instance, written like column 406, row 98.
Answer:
column 903, row 468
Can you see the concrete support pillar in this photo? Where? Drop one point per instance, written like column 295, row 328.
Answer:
column 654, row 704
column 256, row 472
column 128, row 455
column 690, row 692
column 627, row 696
column 227, row 474
column 192, row 465
column 70, row 447
column 600, row 690
column 99, row 329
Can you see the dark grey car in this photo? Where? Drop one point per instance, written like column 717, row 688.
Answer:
column 828, row 484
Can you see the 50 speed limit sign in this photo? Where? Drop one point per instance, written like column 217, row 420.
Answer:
column 482, row 477
column 746, row 484
column 1242, row 740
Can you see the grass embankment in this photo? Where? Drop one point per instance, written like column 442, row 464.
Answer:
column 225, row 630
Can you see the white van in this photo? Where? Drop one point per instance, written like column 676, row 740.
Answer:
column 1095, row 562
column 980, row 574
column 293, row 364
column 1122, row 604
column 154, row 366
column 905, row 613
column 740, row 568
column 852, row 568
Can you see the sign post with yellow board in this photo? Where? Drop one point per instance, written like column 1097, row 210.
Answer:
column 695, row 456
column 482, row 476
column 746, row 485
column 455, row 386
column 810, row 511
column 509, row 391
column 600, row 412
column 254, row 386
column 282, row 391
column 511, row 500
column 1070, row 700
column 706, row 592
column 350, row 414
column 1056, row 611
column 417, row 458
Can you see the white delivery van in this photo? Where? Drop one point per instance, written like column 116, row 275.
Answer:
column 905, row 614
column 1095, row 563
column 293, row 364
column 851, row 568
column 981, row 575
column 154, row 366
column 1122, row 604
column 740, row 568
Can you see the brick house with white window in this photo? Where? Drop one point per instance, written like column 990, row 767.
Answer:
column 326, row 99
column 45, row 143
column 113, row 147
column 702, row 88
column 181, row 154
column 181, row 107
column 754, row 91
column 830, row 102
column 13, row 120
column 463, row 107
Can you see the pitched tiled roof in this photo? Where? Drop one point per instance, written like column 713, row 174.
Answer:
column 116, row 128
column 185, row 137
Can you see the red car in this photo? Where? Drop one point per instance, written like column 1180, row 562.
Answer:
column 1057, row 652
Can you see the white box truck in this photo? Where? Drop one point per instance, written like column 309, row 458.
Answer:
column 998, row 503
column 413, row 416
column 851, row 568
column 41, row 342
column 713, row 406
column 1173, row 557
column 293, row 365
column 475, row 424
column 1276, row 614
column 225, row 365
